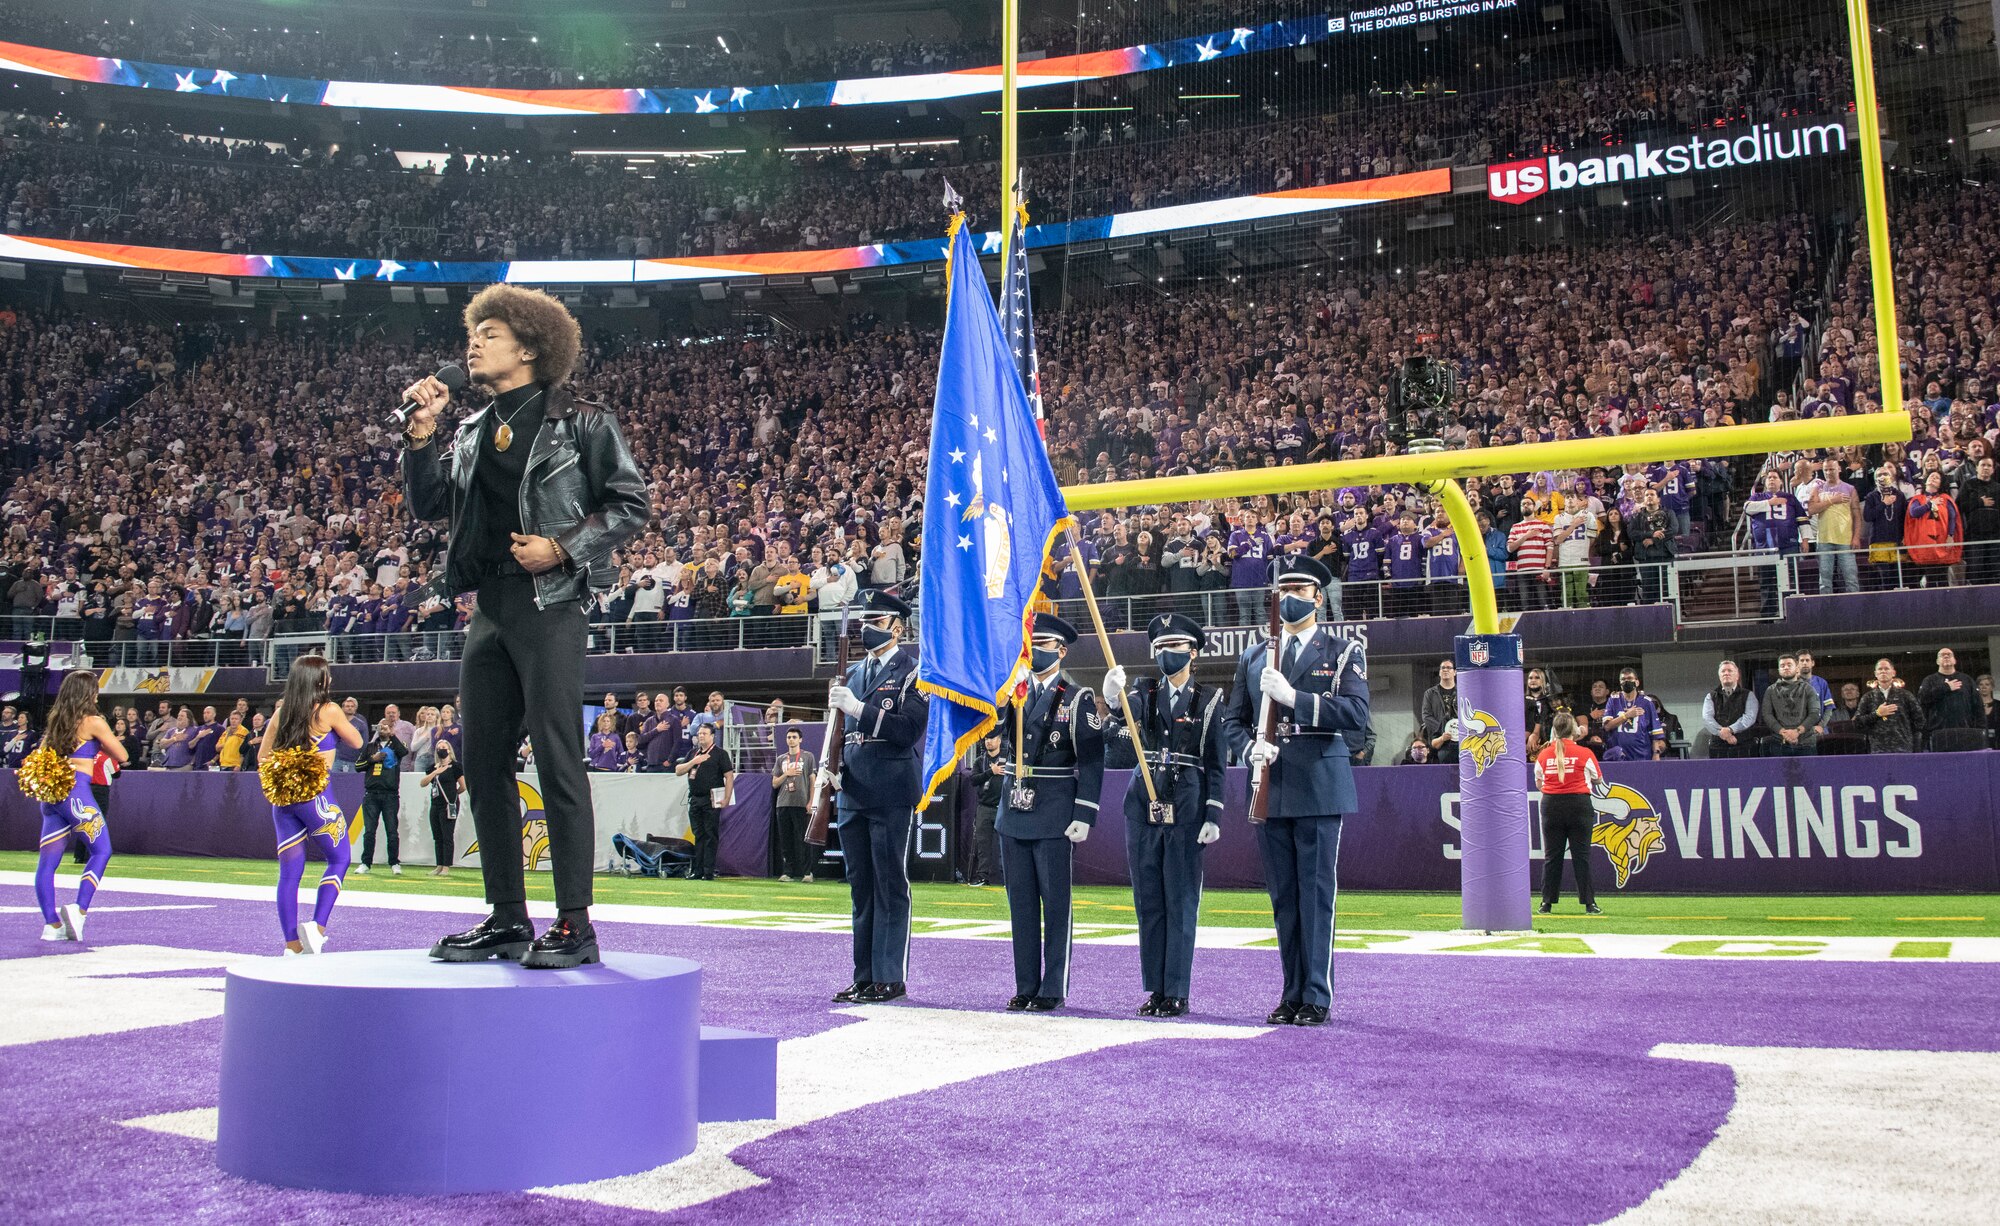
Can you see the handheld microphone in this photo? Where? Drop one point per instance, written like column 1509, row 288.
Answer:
column 451, row 374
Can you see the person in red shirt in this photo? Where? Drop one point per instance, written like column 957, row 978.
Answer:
column 1567, row 774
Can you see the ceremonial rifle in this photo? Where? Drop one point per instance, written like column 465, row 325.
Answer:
column 1267, row 729
column 820, row 809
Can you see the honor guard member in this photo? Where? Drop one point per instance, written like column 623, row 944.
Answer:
column 1180, row 724
column 879, row 789
column 1319, row 686
column 1048, row 803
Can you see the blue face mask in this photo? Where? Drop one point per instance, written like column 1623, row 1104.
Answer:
column 1295, row 608
column 1042, row 659
column 875, row 638
column 1172, row 662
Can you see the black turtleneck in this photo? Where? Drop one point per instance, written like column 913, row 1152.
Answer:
column 500, row 472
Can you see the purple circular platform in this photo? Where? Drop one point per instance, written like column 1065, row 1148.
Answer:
column 387, row 1072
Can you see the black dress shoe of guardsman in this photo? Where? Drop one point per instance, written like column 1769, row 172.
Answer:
column 564, row 945
column 852, row 992
column 1172, row 1006
column 1044, row 1004
column 1310, row 1015
column 1284, row 1014
column 492, row 938
column 1018, row 1003
column 1152, row 1006
column 880, row 992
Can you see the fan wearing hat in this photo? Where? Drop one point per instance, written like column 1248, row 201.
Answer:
column 879, row 788
column 1319, row 685
column 1053, row 772
column 1180, row 725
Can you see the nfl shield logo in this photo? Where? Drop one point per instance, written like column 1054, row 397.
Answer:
column 1479, row 654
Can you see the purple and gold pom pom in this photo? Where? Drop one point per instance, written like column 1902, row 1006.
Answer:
column 292, row 776
column 46, row 775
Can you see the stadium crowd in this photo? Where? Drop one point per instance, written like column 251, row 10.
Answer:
column 164, row 188
column 254, row 489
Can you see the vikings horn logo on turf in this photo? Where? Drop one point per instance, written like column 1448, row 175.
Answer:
column 1481, row 736
column 1627, row 828
column 534, row 828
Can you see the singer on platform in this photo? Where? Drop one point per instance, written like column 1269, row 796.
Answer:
column 539, row 488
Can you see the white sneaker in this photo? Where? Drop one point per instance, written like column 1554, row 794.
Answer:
column 396, row 870
column 72, row 917
column 292, row 953
column 361, row 869
column 784, row 876
column 55, row 932
column 313, row 937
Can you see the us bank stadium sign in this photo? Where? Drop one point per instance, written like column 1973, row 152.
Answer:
column 1715, row 150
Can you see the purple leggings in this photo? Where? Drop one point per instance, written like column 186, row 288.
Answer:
column 318, row 821
column 76, row 812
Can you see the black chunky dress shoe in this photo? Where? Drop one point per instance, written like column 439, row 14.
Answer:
column 1283, row 1015
column 852, row 992
column 492, row 938
column 1044, row 1004
column 1152, row 1006
column 1310, row 1015
column 564, row 945
column 1018, row 1003
column 1172, row 1006
column 877, row 993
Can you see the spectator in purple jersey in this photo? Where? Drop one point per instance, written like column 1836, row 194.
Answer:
column 1251, row 548
column 606, row 751
column 1444, row 566
column 1407, row 564
column 1774, row 524
column 1363, row 542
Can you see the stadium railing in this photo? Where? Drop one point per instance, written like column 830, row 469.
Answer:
column 1709, row 588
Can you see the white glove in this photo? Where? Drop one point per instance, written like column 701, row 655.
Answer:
column 1208, row 834
column 1261, row 753
column 1277, row 688
column 1114, row 681
column 1451, row 730
column 843, row 698
column 831, row 780
column 1077, row 832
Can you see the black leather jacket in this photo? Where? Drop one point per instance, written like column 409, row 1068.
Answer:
column 581, row 488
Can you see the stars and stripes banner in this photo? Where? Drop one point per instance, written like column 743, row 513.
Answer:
column 665, row 269
column 243, row 82
column 992, row 511
column 1017, row 316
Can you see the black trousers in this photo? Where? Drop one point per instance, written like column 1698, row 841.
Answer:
column 377, row 804
column 523, row 670
column 444, row 826
column 985, row 844
column 1566, row 821
column 706, row 822
column 793, row 859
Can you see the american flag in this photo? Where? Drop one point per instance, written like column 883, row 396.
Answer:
column 1017, row 317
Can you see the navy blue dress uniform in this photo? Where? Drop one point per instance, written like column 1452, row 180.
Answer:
column 1311, row 781
column 1042, row 805
column 1181, row 727
column 879, row 789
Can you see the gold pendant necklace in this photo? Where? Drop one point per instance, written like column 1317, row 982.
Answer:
column 503, row 438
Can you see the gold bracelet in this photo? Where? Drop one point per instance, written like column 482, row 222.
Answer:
column 418, row 441
column 562, row 555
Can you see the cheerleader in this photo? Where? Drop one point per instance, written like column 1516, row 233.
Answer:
column 74, row 725
column 302, row 731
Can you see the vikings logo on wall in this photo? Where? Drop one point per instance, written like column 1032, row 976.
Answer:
column 1627, row 828
column 534, row 828
column 1482, row 737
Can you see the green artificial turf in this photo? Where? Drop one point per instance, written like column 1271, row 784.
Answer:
column 1935, row 916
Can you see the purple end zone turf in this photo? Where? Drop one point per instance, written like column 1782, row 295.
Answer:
column 481, row 1077
column 739, row 1075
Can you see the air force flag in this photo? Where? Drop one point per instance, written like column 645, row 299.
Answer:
column 992, row 509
